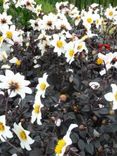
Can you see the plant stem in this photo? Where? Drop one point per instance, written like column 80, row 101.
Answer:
column 6, row 107
column 13, row 145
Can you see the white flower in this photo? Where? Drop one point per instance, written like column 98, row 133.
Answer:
column 5, row 20
column 94, row 85
column 36, row 113
column 88, row 19
column 44, row 42
column 62, row 7
column 48, row 21
column 38, row 9
column 23, row 135
column 64, row 142
column 58, row 43
column 15, row 83
column 42, row 86
column 112, row 96
column 16, row 61
column 70, row 51
column 62, row 22
column 4, row 130
column 6, row 5
column 29, row 4
column 10, row 33
column 35, row 24
column 98, row 21
column 110, row 12
column 80, row 46
column 107, row 59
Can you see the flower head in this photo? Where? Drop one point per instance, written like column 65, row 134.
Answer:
column 58, row 43
column 112, row 96
column 15, row 83
column 80, row 46
column 36, row 113
column 23, row 135
column 110, row 12
column 107, row 60
column 5, row 20
column 63, row 143
column 4, row 130
column 42, row 86
column 70, row 51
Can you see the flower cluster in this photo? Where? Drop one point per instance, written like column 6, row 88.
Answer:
column 58, row 80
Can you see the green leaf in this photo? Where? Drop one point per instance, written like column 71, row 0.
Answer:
column 81, row 144
column 89, row 148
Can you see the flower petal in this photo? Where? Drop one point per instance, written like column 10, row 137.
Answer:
column 109, row 96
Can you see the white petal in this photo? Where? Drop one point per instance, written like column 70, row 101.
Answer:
column 27, row 146
column 39, row 119
column 102, row 72
column 3, row 86
column 2, row 119
column 2, row 77
column 22, row 144
column 33, row 118
column 30, row 140
column 114, row 88
column 71, row 127
column 109, row 96
column 22, row 94
column 114, row 105
column 28, row 90
column 9, row 74
column 12, row 94
column 8, row 133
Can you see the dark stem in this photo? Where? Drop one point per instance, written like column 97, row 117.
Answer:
column 6, row 107
column 13, row 146
column 54, row 128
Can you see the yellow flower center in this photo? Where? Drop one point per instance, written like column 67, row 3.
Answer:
column 9, row 34
column 59, row 44
column 42, row 86
column 36, row 108
column 61, row 143
column 97, row 21
column 110, row 13
column 18, row 62
column 79, row 47
column 71, row 53
column 23, row 135
column 90, row 20
column 116, row 96
column 2, row 127
column 1, row 39
column 49, row 23
column 78, row 17
column 14, row 85
column 84, row 37
column 99, row 61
